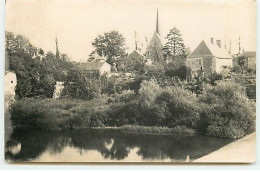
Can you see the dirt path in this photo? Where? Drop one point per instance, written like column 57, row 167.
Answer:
column 240, row 151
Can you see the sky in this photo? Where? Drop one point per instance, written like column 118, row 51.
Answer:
column 76, row 23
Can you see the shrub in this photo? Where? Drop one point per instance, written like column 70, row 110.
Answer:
column 229, row 111
column 59, row 114
column 182, row 107
column 148, row 93
column 122, row 113
column 222, row 110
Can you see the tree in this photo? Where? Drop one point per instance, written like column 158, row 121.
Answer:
column 35, row 77
column 174, row 46
column 242, row 61
column 111, row 44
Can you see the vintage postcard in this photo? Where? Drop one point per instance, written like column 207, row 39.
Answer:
column 132, row 81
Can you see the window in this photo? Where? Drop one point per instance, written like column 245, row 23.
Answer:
column 200, row 61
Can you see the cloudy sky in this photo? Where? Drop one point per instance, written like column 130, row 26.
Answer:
column 78, row 22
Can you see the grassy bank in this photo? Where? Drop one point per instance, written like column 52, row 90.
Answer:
column 155, row 129
column 222, row 111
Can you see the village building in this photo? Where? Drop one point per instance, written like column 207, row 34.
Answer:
column 134, row 60
column 134, row 57
column 208, row 57
column 95, row 67
column 121, row 63
column 154, row 50
column 250, row 58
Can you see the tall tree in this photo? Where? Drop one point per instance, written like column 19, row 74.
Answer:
column 111, row 44
column 35, row 76
column 174, row 46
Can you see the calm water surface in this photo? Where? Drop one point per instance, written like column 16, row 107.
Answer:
column 93, row 145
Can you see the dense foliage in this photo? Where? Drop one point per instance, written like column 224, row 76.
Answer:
column 150, row 96
column 228, row 112
column 224, row 110
column 36, row 71
column 175, row 45
column 111, row 44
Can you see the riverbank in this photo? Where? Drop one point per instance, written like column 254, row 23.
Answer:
column 151, row 129
column 240, row 151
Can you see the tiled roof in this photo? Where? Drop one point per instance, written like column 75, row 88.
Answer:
column 209, row 49
column 94, row 65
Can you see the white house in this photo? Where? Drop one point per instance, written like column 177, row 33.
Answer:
column 94, row 68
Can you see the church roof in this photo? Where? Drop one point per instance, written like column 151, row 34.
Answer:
column 156, row 39
column 209, row 49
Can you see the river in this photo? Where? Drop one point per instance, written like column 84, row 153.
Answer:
column 99, row 145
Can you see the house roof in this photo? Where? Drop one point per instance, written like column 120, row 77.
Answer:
column 94, row 65
column 209, row 49
column 249, row 54
column 135, row 53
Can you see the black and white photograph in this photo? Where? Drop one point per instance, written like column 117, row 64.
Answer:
column 130, row 81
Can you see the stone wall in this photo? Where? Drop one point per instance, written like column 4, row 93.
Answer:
column 198, row 64
column 58, row 89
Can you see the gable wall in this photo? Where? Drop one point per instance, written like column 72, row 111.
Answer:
column 105, row 69
column 195, row 66
column 222, row 62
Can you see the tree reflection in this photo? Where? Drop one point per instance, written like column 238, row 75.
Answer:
column 110, row 144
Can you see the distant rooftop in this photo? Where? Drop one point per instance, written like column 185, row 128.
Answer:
column 94, row 65
column 206, row 48
column 249, row 54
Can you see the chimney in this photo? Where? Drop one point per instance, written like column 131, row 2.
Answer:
column 218, row 43
column 212, row 40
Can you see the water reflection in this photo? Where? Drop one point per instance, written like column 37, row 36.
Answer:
column 110, row 144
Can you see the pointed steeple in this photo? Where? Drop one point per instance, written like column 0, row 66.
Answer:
column 57, row 48
column 135, row 41
column 157, row 23
column 239, row 46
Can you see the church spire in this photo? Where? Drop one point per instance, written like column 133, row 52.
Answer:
column 57, row 48
column 157, row 23
column 239, row 46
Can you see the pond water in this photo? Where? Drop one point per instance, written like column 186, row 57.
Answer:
column 96, row 145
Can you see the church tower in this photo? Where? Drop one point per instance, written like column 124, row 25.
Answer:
column 155, row 47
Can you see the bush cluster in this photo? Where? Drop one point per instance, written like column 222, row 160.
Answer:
column 222, row 110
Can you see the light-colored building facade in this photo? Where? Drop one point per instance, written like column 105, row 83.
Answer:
column 94, row 68
column 10, row 84
column 250, row 58
column 58, row 87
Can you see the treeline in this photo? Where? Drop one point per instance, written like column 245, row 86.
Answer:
column 36, row 70
column 222, row 110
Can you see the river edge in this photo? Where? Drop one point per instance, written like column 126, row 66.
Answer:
column 125, row 128
column 242, row 150
column 136, row 129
